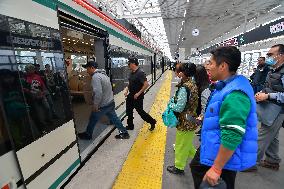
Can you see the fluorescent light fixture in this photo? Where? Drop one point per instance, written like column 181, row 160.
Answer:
column 182, row 23
column 187, row 1
column 184, row 13
column 275, row 8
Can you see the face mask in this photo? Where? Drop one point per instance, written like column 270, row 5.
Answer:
column 270, row 61
column 178, row 79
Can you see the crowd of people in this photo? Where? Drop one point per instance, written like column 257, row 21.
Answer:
column 226, row 106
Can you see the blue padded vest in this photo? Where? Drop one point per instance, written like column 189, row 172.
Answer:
column 245, row 154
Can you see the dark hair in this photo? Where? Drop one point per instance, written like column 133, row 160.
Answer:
column 188, row 69
column 230, row 54
column 201, row 78
column 133, row 60
column 262, row 57
column 281, row 48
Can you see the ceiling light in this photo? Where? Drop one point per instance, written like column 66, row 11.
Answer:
column 187, row 1
column 63, row 38
column 87, row 43
column 68, row 39
column 73, row 40
column 184, row 13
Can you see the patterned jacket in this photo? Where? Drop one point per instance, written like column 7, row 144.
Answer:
column 181, row 106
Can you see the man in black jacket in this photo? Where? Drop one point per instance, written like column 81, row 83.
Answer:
column 135, row 94
column 260, row 74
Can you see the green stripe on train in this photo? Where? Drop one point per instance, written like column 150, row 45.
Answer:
column 53, row 3
column 65, row 175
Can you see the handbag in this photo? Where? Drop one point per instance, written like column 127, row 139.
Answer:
column 169, row 118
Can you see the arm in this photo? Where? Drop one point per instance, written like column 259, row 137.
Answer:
column 142, row 79
column 181, row 101
column 204, row 98
column 233, row 115
column 126, row 91
column 279, row 96
column 97, row 91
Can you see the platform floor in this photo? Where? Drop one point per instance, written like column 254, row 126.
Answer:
column 141, row 161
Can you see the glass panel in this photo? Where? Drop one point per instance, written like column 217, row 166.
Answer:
column 37, row 89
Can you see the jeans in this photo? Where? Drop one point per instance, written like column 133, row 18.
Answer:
column 109, row 111
column 131, row 103
column 198, row 171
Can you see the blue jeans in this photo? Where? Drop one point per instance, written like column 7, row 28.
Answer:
column 109, row 111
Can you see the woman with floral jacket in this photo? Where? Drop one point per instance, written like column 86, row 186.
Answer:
column 184, row 103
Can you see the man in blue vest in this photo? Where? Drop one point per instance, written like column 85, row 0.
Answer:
column 229, row 130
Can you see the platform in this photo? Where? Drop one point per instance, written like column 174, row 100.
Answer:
column 141, row 161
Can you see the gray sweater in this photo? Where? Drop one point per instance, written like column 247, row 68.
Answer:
column 102, row 89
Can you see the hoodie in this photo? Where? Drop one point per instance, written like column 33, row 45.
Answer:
column 102, row 89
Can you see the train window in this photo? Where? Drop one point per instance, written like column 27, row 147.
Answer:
column 33, row 83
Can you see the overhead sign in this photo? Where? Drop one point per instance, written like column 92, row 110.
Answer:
column 279, row 27
column 271, row 30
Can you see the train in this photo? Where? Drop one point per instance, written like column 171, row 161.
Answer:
column 45, row 91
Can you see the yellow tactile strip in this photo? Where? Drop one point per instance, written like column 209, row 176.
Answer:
column 144, row 166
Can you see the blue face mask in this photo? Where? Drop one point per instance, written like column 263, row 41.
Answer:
column 270, row 61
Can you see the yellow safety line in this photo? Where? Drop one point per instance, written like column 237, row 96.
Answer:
column 144, row 166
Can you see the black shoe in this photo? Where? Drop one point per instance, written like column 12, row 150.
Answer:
column 129, row 128
column 251, row 169
column 122, row 136
column 84, row 136
column 153, row 125
column 174, row 170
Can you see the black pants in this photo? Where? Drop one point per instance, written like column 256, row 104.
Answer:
column 131, row 103
column 198, row 171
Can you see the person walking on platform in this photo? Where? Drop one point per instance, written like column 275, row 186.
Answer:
column 271, row 110
column 184, row 103
column 229, row 129
column 103, row 103
column 134, row 93
column 260, row 74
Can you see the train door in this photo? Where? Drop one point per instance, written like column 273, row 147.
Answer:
column 10, row 175
column 36, row 104
column 83, row 42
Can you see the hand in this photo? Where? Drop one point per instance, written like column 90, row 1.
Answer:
column 212, row 176
column 126, row 93
column 261, row 96
column 95, row 108
column 136, row 96
column 200, row 118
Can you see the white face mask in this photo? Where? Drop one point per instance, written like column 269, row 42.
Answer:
column 178, row 79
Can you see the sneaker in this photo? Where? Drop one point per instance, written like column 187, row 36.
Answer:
column 122, row 136
column 84, row 136
column 153, row 125
column 251, row 169
column 129, row 128
column 174, row 170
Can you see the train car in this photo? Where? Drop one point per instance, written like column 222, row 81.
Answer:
column 45, row 92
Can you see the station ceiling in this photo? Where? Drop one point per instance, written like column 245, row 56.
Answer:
column 213, row 18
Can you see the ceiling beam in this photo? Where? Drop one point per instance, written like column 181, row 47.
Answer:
column 142, row 6
column 146, row 15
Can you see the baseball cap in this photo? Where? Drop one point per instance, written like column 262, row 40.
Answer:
column 91, row 64
column 133, row 60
